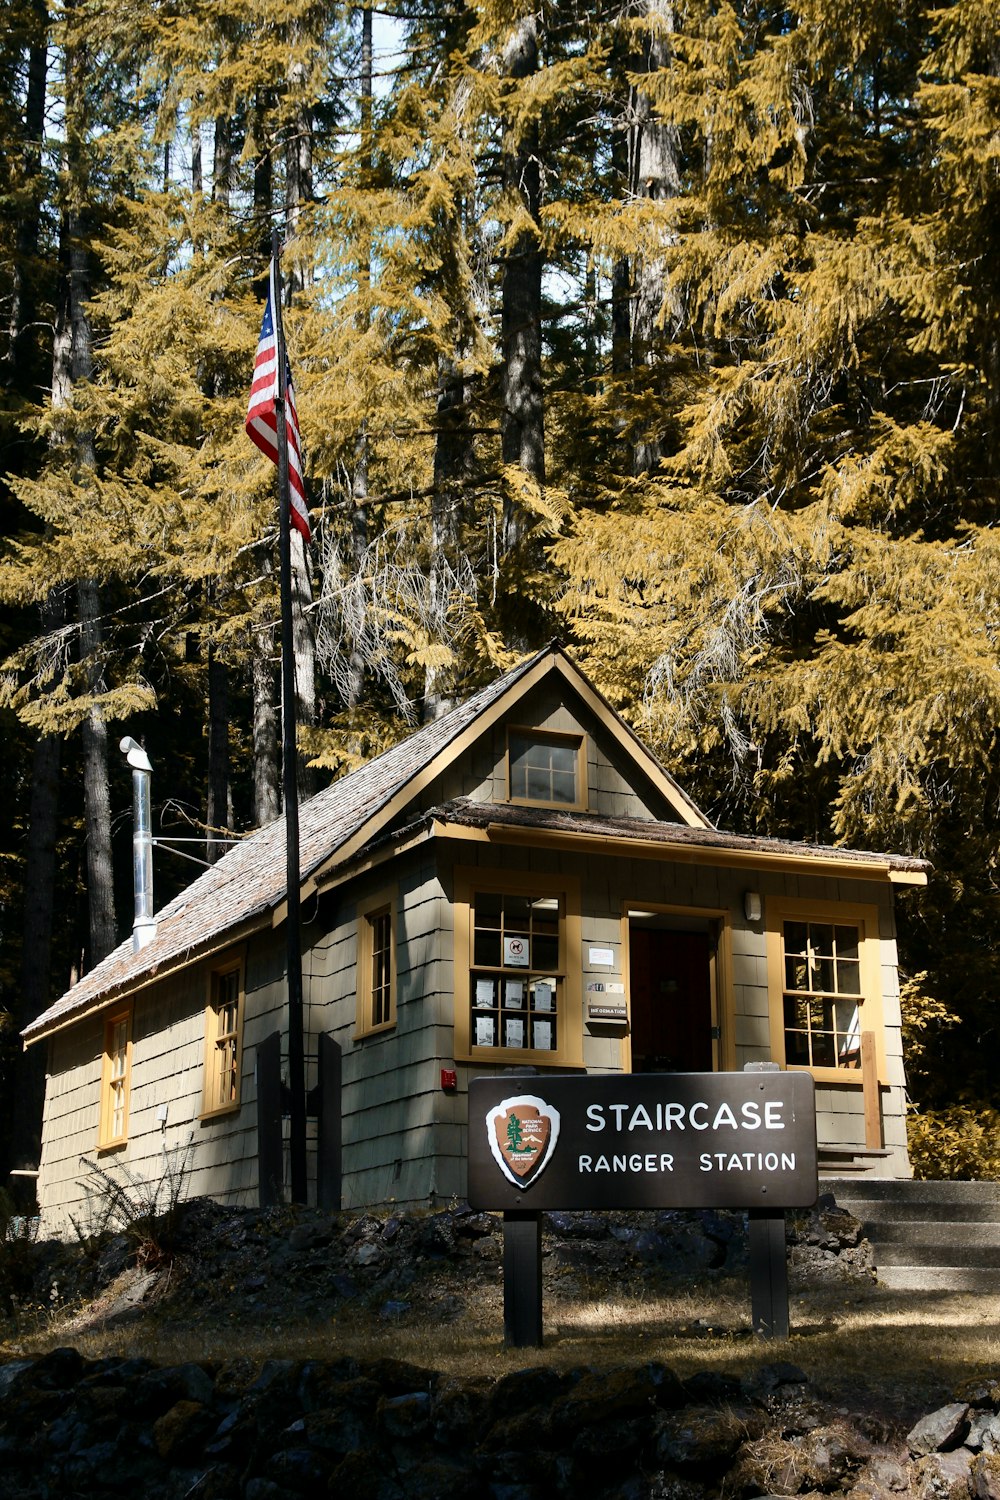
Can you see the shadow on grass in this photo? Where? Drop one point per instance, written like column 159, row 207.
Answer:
column 869, row 1347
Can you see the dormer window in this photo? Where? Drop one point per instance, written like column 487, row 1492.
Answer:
column 545, row 770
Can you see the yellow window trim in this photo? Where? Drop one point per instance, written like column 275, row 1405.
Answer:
column 210, row 1110
column 578, row 740
column 381, row 903
column 777, row 911
column 107, row 1138
column 569, row 1052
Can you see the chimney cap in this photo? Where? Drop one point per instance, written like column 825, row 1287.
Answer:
column 134, row 754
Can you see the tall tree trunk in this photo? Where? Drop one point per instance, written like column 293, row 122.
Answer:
column 266, row 799
column 298, row 156
column 655, row 174
column 991, row 321
column 222, row 161
column 358, row 541
column 20, row 372
column 96, row 792
column 72, row 363
column 621, row 276
column 218, row 816
column 266, row 747
column 197, row 168
column 24, row 1100
column 305, row 651
column 522, row 433
column 451, row 460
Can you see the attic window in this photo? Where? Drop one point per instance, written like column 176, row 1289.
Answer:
column 545, row 770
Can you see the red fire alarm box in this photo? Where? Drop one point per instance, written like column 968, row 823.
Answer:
column 449, row 1080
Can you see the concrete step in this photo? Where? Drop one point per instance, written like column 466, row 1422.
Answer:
column 881, row 1212
column 928, row 1236
column 939, row 1279
column 895, row 1189
column 944, row 1257
column 961, row 1237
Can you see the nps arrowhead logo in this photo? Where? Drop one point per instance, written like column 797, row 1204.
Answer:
column 522, row 1133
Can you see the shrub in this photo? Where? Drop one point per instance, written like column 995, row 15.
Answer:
column 958, row 1141
column 119, row 1201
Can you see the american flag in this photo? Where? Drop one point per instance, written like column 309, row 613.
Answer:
column 262, row 424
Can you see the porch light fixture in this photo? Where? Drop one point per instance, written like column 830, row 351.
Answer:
column 753, row 908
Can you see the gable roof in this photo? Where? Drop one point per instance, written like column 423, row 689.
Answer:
column 241, row 891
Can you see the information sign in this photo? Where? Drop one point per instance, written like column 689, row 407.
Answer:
column 652, row 1140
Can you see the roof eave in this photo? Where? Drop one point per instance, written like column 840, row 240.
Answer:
column 819, row 862
column 132, row 986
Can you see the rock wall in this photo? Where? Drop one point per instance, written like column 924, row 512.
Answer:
column 385, row 1430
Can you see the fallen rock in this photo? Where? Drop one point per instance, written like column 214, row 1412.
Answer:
column 984, row 1476
column 941, row 1476
column 940, row 1430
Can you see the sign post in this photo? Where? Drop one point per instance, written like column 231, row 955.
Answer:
column 522, row 1279
column 654, row 1140
column 768, row 1274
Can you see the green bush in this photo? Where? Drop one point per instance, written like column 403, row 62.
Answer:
column 959, row 1141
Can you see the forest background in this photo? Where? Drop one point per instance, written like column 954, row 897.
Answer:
column 670, row 328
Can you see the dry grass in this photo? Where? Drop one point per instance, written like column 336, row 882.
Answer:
column 899, row 1353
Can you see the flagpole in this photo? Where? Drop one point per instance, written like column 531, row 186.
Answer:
column 289, row 751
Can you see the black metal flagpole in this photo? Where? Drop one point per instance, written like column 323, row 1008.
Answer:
column 289, row 753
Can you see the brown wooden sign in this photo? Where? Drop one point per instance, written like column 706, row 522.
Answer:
column 653, row 1140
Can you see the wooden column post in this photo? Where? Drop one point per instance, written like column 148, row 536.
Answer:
column 270, row 1152
column 871, row 1092
column 328, row 1149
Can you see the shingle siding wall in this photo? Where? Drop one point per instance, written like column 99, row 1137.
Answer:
column 168, row 1053
column 398, row 1132
column 481, row 775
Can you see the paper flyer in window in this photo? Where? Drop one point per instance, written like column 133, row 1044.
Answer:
column 543, row 996
column 514, row 1032
column 484, row 992
column 514, row 994
column 484, row 1031
column 543, row 1036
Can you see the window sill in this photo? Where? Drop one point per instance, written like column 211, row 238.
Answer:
column 553, row 806
column 360, row 1036
column 103, row 1147
column 524, row 1057
column 221, row 1112
column 826, row 1076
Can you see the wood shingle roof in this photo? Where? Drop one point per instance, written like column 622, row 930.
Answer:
column 243, row 889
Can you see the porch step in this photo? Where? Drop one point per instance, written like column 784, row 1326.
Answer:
column 833, row 1161
column 927, row 1236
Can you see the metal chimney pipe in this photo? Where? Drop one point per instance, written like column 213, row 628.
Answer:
column 144, row 925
